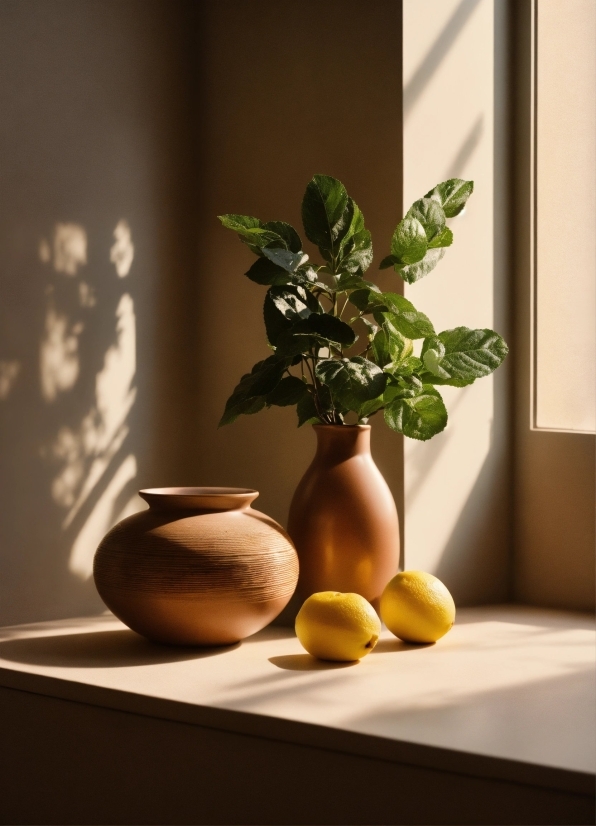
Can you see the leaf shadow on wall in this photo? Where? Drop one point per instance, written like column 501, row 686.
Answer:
column 66, row 416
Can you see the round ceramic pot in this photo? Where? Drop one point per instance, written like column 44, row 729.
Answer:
column 343, row 520
column 200, row 567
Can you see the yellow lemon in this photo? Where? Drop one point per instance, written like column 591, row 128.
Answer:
column 335, row 626
column 417, row 607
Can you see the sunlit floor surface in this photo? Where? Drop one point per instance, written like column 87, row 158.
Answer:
column 508, row 682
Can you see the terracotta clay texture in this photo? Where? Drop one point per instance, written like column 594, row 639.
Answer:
column 200, row 567
column 343, row 518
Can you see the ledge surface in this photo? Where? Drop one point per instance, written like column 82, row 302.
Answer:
column 509, row 693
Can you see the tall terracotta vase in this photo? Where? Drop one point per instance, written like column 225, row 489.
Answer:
column 200, row 567
column 343, row 520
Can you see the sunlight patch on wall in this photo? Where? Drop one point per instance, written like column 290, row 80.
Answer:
column 123, row 252
column 102, row 434
column 87, row 452
column 9, row 370
column 68, row 251
column 101, row 519
column 58, row 357
column 92, row 475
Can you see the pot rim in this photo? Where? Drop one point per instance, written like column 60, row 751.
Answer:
column 199, row 498
column 198, row 491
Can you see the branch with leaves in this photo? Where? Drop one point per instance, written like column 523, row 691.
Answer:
column 339, row 344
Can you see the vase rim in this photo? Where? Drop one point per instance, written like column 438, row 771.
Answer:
column 341, row 427
column 199, row 498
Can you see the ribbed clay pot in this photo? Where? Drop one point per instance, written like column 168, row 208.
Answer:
column 200, row 567
column 343, row 520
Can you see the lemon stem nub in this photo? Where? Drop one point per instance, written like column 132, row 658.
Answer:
column 372, row 642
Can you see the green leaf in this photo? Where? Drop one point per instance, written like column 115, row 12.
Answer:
column 324, row 212
column 402, row 387
column 370, row 407
column 452, row 195
column 307, row 275
column 352, row 223
column 289, row 391
column 443, row 239
column 406, row 318
column 351, row 381
column 419, row 417
column 388, row 261
column 287, row 233
column 284, row 306
column 380, row 349
column 294, row 302
column 403, row 315
column 414, row 272
column 252, row 231
column 307, row 411
column 353, row 281
column 431, row 216
column 390, row 347
column 332, row 328
column 240, row 223
column 315, row 331
column 434, row 350
column 360, row 255
column 263, row 378
column 355, row 248
column 409, row 243
column 468, row 355
column 407, row 367
column 289, row 261
column 364, row 300
column 265, row 272
column 236, row 407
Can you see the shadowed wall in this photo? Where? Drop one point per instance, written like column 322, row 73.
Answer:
column 96, row 279
column 127, row 126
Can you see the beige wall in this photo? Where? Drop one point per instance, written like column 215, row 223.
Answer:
column 95, row 135
column 162, row 115
column 455, row 122
column 566, row 208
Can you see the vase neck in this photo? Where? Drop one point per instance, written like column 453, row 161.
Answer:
column 337, row 443
column 199, row 499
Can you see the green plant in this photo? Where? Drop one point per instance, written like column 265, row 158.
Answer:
column 340, row 345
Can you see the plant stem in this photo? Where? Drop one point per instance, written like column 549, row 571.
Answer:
column 345, row 305
column 315, row 394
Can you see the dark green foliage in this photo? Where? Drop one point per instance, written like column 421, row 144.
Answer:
column 315, row 313
column 351, row 381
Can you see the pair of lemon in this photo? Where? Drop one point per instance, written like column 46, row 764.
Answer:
column 415, row 606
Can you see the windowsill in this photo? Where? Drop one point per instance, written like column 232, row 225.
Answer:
column 507, row 694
